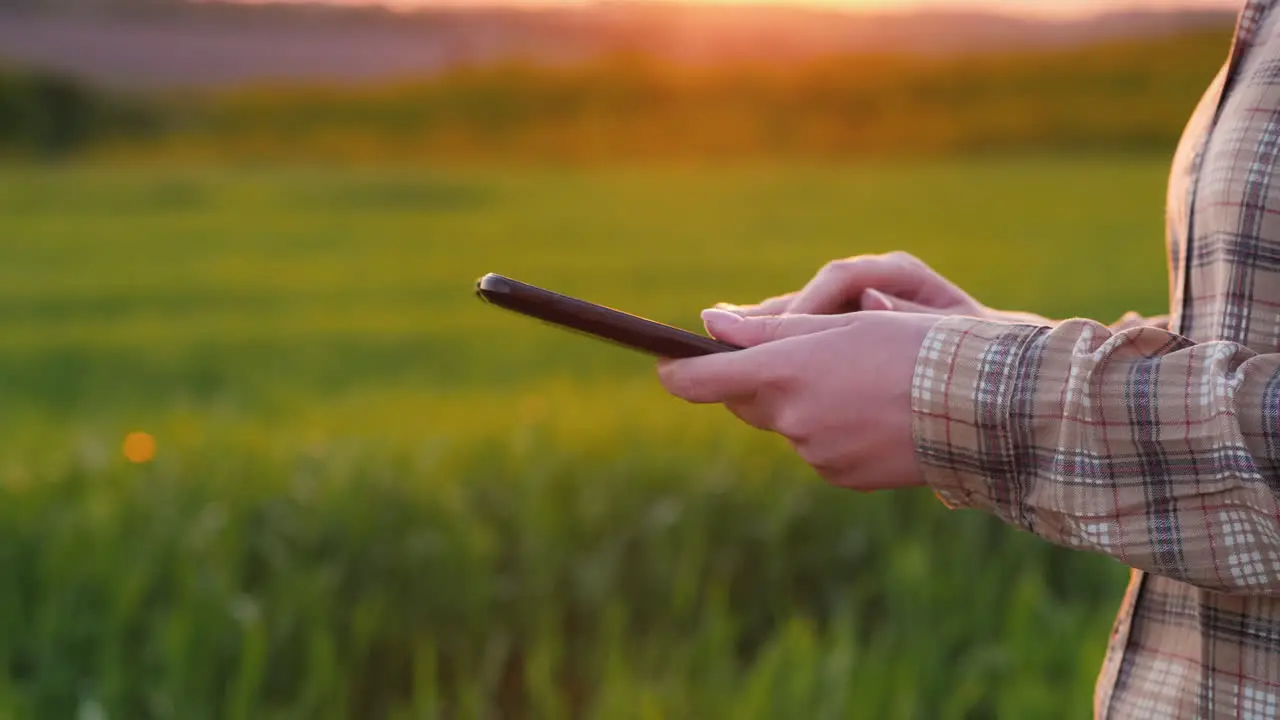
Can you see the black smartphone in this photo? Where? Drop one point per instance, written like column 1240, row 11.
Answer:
column 625, row 329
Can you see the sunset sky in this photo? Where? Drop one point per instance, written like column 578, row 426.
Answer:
column 1049, row 6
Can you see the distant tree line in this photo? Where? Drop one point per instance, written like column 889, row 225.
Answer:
column 82, row 5
column 1124, row 97
column 1132, row 96
column 49, row 115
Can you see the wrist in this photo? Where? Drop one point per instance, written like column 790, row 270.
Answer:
column 1014, row 317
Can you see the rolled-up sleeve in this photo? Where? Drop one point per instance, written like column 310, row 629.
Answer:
column 1132, row 320
column 1130, row 441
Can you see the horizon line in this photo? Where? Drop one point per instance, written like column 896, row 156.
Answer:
column 1008, row 8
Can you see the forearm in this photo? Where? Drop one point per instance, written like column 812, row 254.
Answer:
column 1136, row 443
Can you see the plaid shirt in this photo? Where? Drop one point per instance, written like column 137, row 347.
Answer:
column 1154, row 441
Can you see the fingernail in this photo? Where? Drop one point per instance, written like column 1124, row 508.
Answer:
column 875, row 300
column 729, row 307
column 715, row 318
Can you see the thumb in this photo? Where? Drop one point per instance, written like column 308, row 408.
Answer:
column 751, row 331
column 876, row 300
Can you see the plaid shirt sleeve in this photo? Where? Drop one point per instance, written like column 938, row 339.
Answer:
column 1128, row 321
column 1130, row 441
column 1133, row 320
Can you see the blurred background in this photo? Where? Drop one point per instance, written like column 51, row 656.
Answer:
column 266, row 456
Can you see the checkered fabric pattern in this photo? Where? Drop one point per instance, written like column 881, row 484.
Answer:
column 1154, row 441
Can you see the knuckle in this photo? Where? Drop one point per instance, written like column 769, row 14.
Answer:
column 790, row 422
column 777, row 380
column 833, row 267
column 760, row 330
column 770, row 328
column 845, row 265
column 840, row 273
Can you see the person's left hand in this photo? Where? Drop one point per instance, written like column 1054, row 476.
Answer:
column 838, row 387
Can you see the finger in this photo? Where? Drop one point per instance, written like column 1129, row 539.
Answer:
column 718, row 378
column 771, row 306
column 875, row 300
column 751, row 331
column 840, row 283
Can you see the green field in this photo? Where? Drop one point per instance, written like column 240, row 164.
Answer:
column 376, row 497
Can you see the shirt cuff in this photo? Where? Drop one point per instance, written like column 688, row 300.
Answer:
column 971, row 380
column 1131, row 320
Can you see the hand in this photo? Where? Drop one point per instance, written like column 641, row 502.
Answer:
column 837, row 387
column 895, row 282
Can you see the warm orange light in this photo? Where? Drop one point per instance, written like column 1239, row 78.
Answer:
column 139, row 447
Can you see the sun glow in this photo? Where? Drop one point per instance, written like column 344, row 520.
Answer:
column 1034, row 7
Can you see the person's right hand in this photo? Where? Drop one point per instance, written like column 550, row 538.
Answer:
column 896, row 281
